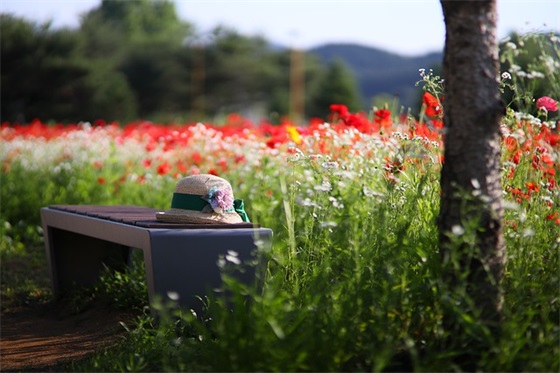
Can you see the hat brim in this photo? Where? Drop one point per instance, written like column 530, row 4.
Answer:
column 174, row 215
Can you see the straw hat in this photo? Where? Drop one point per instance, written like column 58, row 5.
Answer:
column 204, row 199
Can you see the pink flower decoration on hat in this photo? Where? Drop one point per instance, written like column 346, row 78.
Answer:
column 547, row 103
column 221, row 200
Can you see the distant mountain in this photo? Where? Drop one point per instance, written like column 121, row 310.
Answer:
column 379, row 71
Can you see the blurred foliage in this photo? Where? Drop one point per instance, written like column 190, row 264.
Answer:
column 337, row 86
column 137, row 59
column 533, row 61
column 131, row 59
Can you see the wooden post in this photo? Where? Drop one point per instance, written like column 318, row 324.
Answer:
column 198, row 79
column 297, row 86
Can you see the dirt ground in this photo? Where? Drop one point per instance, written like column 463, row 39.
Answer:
column 50, row 337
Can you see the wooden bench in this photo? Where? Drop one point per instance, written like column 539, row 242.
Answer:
column 180, row 259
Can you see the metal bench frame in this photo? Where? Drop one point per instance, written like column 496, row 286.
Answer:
column 179, row 258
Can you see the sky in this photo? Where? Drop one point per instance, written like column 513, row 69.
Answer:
column 406, row 27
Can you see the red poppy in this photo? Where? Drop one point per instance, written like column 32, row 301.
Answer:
column 196, row 158
column 223, row 164
column 151, row 146
column 163, row 168
column 429, row 99
column 517, row 156
column 341, row 110
column 181, row 167
column 433, row 106
column 239, row 158
column 554, row 217
column 393, row 166
column 383, row 114
column 383, row 118
column 546, row 158
column 352, row 120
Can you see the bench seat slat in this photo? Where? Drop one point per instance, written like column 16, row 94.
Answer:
column 140, row 216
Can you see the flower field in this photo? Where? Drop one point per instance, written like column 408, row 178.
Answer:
column 140, row 162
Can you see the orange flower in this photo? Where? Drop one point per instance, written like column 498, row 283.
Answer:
column 532, row 187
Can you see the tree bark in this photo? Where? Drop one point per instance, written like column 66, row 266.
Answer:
column 471, row 191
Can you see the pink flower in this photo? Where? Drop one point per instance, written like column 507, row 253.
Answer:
column 547, row 103
column 221, row 200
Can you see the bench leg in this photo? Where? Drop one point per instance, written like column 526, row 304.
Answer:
column 78, row 260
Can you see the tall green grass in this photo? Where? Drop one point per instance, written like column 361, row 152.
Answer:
column 356, row 287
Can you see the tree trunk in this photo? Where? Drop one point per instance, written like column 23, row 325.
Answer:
column 471, row 215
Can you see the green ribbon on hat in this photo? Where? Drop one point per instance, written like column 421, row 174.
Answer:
column 195, row 202
column 239, row 207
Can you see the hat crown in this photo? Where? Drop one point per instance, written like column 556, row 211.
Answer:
column 201, row 184
column 206, row 199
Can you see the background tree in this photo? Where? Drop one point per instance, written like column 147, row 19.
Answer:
column 131, row 59
column 336, row 86
column 45, row 76
column 472, row 246
column 116, row 25
column 40, row 71
column 239, row 71
column 139, row 45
